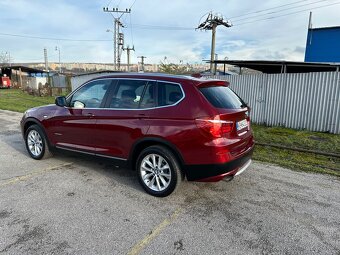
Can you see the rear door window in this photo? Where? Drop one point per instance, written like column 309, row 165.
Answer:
column 128, row 94
column 169, row 93
column 222, row 97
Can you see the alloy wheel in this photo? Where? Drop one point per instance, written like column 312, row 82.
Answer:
column 155, row 172
column 35, row 143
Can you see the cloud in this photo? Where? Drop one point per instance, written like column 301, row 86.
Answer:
column 281, row 38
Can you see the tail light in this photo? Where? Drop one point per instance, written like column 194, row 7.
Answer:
column 215, row 127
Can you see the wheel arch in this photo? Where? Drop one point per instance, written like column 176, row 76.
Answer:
column 140, row 145
column 32, row 121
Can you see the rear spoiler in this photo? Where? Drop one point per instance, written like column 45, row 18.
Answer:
column 213, row 83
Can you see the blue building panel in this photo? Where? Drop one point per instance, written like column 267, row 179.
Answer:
column 323, row 45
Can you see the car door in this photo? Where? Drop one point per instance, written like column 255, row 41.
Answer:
column 73, row 127
column 122, row 122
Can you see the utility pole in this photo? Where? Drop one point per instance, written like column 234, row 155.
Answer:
column 118, row 38
column 128, row 55
column 211, row 23
column 310, row 24
column 142, row 61
column 58, row 49
column 45, row 58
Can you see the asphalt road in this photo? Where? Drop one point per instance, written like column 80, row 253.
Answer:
column 72, row 204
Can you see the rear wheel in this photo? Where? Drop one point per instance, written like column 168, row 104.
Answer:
column 158, row 171
column 36, row 143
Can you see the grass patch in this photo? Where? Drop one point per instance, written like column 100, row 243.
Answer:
column 19, row 101
column 298, row 161
column 298, row 138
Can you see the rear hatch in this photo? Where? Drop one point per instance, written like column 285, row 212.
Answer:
column 232, row 118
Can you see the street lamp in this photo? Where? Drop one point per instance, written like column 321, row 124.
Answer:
column 58, row 49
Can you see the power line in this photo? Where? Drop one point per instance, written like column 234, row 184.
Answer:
column 286, row 9
column 167, row 28
column 119, row 3
column 276, row 7
column 131, row 32
column 42, row 58
column 156, row 27
column 109, row 3
column 287, row 14
column 133, row 4
column 54, row 38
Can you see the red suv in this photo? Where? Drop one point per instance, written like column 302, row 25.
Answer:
column 165, row 127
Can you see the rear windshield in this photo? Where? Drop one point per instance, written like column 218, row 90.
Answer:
column 222, row 97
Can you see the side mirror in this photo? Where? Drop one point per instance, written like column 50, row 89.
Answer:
column 60, row 101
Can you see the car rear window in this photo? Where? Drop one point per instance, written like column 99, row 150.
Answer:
column 222, row 97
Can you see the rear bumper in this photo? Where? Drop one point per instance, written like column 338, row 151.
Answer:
column 216, row 172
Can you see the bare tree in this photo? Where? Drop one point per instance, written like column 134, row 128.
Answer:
column 5, row 58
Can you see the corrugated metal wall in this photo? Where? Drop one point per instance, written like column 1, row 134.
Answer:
column 59, row 81
column 302, row 101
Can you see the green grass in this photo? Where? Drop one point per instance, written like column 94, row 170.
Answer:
column 16, row 100
column 298, row 138
column 300, row 161
column 19, row 101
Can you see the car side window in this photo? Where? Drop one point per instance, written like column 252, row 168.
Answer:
column 128, row 94
column 91, row 95
column 169, row 93
column 149, row 99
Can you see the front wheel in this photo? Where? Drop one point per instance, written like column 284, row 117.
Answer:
column 36, row 143
column 158, row 171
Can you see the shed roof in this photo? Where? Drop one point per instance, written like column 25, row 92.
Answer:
column 266, row 66
column 24, row 69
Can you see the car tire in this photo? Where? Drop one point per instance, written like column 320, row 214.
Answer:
column 36, row 143
column 158, row 171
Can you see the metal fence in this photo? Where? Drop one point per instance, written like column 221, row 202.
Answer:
column 59, row 81
column 308, row 101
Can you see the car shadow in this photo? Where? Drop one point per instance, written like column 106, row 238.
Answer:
column 190, row 191
column 106, row 167
column 14, row 140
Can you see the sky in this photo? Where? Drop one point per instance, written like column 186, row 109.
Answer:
column 160, row 30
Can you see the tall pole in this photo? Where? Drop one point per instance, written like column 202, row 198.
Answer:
column 116, row 28
column 58, row 49
column 117, row 36
column 310, row 24
column 59, row 62
column 142, row 62
column 211, row 23
column 45, row 58
column 212, row 53
column 120, row 47
column 128, row 55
